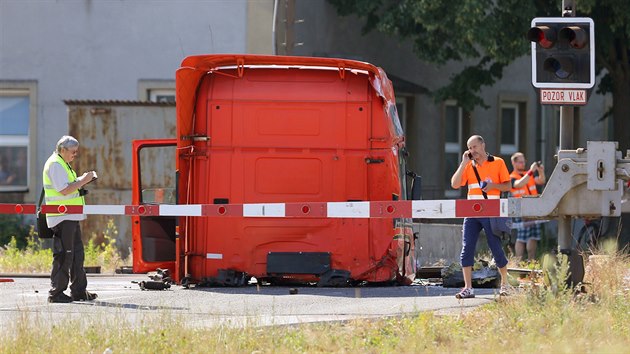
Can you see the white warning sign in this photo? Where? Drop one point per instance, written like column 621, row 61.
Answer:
column 563, row 97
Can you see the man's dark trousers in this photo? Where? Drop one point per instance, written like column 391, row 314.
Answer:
column 68, row 258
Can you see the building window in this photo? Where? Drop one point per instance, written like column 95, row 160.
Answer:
column 162, row 96
column 510, row 117
column 15, row 120
column 156, row 91
column 453, row 131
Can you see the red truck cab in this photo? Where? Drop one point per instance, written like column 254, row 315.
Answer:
column 272, row 129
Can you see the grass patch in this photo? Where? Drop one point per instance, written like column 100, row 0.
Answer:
column 36, row 256
column 546, row 319
column 105, row 254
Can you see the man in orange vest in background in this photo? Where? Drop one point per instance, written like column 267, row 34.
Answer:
column 486, row 177
column 524, row 184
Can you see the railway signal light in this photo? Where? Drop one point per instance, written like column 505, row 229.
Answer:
column 563, row 52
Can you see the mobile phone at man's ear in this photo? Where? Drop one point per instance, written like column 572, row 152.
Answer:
column 470, row 155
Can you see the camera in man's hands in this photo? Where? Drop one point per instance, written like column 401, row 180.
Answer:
column 83, row 191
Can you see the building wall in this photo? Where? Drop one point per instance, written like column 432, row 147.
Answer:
column 104, row 50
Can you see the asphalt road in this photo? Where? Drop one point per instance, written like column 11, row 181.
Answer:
column 121, row 300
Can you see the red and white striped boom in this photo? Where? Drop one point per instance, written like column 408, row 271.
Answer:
column 423, row 209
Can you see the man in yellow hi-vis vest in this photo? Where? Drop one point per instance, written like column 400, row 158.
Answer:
column 63, row 187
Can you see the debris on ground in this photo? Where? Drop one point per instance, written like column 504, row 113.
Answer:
column 429, row 272
column 163, row 275
column 160, row 280
column 484, row 275
column 153, row 285
column 428, row 281
column 124, row 270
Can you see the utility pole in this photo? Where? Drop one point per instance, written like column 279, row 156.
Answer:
column 289, row 42
column 290, row 21
column 566, row 143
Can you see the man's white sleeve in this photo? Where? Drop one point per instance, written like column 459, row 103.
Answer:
column 58, row 176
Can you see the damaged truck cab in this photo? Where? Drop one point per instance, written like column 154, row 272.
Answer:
column 273, row 129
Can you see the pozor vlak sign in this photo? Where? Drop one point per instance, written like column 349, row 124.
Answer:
column 563, row 96
column 563, row 58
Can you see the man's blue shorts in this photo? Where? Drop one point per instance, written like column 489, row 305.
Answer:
column 470, row 235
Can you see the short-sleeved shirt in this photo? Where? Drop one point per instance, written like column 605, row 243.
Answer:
column 492, row 170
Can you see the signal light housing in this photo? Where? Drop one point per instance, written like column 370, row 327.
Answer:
column 543, row 35
column 574, row 35
column 563, row 52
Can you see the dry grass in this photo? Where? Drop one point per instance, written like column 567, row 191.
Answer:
column 33, row 259
column 541, row 319
column 36, row 258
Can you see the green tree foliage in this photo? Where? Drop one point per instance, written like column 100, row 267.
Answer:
column 487, row 35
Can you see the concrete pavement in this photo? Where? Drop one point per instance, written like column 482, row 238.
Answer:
column 121, row 300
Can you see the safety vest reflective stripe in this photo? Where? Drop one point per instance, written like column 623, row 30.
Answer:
column 528, row 189
column 474, row 192
column 63, row 197
column 517, row 193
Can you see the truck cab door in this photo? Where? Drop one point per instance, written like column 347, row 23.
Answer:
column 154, row 182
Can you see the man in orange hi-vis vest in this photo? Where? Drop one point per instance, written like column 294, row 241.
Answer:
column 486, row 177
column 524, row 184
